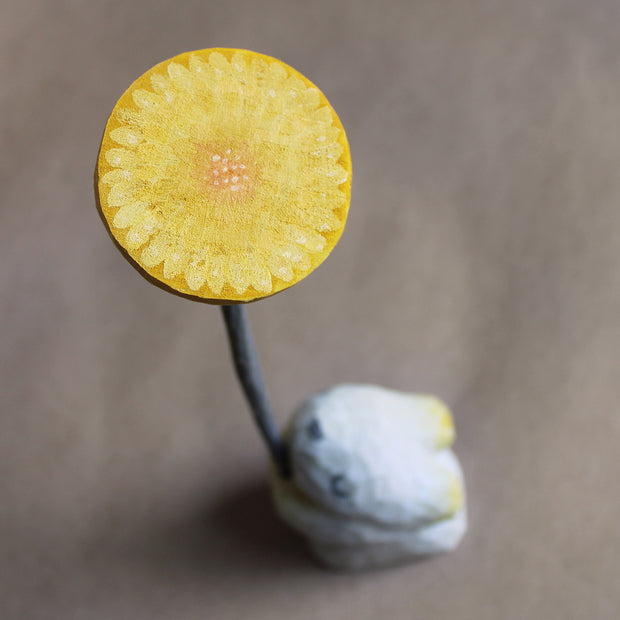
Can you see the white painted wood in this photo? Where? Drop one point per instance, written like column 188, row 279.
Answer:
column 374, row 479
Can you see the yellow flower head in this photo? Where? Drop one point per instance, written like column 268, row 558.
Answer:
column 225, row 174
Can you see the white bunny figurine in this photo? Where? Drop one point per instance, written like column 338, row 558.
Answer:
column 374, row 481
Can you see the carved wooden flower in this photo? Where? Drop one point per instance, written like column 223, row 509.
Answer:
column 225, row 174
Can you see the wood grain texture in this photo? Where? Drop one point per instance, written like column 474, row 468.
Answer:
column 224, row 174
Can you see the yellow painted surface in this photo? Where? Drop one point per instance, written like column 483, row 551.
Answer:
column 224, row 174
column 446, row 432
column 456, row 497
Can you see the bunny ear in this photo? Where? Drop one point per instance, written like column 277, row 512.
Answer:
column 436, row 426
column 420, row 419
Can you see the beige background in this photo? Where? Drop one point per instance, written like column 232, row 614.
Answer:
column 480, row 263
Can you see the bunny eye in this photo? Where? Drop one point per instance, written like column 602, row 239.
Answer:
column 314, row 430
column 340, row 486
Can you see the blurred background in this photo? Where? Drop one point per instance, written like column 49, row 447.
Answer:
column 480, row 263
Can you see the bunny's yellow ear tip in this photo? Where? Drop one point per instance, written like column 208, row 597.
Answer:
column 442, row 420
column 225, row 175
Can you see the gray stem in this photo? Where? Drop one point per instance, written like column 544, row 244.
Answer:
column 251, row 379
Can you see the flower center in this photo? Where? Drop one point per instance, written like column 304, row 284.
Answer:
column 226, row 171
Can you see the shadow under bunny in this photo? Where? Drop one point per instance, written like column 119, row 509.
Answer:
column 239, row 532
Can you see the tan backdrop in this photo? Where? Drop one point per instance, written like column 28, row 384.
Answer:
column 480, row 263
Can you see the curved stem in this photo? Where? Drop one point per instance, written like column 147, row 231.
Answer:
column 251, row 379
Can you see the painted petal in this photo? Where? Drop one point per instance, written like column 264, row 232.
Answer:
column 129, row 215
column 181, row 77
column 323, row 115
column 129, row 116
column 121, row 158
column 196, row 274
column 196, row 65
column 308, row 238
column 121, row 194
column 297, row 256
column 146, row 99
column 163, row 86
column 311, row 99
column 156, row 251
column 277, row 72
column 175, row 263
column 238, row 62
column 126, row 136
column 215, row 274
column 238, row 276
column 218, row 60
column 117, row 175
column 260, row 276
column 280, row 267
column 136, row 236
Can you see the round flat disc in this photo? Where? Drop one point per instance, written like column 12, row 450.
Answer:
column 224, row 174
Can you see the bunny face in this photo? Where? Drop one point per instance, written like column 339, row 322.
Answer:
column 378, row 454
column 325, row 466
